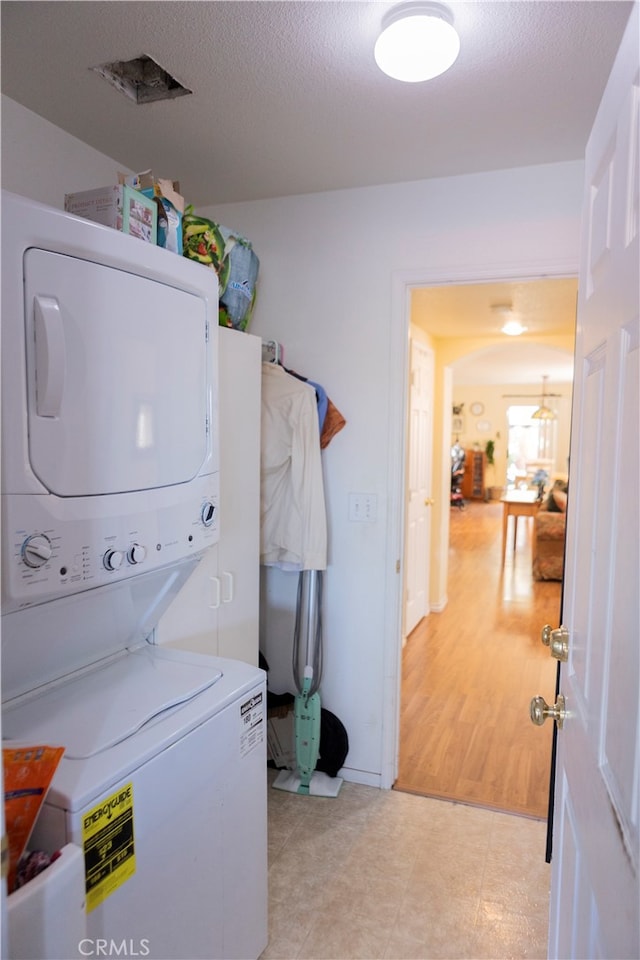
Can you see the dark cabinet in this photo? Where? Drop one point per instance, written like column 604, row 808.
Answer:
column 473, row 481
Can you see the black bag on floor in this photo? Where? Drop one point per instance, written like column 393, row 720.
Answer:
column 334, row 742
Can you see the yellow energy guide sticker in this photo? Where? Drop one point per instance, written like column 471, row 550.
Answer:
column 107, row 840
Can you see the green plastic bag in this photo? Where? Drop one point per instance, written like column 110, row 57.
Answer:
column 234, row 261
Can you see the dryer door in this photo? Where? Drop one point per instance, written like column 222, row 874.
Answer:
column 118, row 398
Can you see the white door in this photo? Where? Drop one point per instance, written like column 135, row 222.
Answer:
column 418, row 522
column 595, row 890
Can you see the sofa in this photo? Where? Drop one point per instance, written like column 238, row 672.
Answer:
column 548, row 536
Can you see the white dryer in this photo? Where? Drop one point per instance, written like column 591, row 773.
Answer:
column 109, row 500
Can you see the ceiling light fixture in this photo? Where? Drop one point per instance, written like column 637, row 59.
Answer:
column 512, row 328
column 418, row 42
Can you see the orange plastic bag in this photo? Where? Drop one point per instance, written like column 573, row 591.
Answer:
column 28, row 772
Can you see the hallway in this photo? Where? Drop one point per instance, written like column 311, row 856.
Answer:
column 470, row 672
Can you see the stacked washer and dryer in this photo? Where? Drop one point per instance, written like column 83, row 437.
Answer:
column 110, row 488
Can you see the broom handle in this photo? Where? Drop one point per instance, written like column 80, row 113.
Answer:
column 312, row 612
column 309, row 603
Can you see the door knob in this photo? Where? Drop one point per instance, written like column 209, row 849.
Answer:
column 429, row 502
column 540, row 710
column 557, row 641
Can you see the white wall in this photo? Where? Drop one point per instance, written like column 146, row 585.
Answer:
column 42, row 162
column 497, row 399
column 329, row 270
column 328, row 291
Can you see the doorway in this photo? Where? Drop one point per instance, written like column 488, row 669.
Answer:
column 460, row 323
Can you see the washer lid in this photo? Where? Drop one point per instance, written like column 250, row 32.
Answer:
column 110, row 703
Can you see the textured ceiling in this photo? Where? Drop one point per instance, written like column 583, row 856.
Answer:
column 287, row 98
column 542, row 306
column 545, row 307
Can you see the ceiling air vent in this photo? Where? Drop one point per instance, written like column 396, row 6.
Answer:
column 142, row 80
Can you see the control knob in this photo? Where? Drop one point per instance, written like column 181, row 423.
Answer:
column 208, row 513
column 36, row 550
column 113, row 559
column 136, row 553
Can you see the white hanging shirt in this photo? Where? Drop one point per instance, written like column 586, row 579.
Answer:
column 293, row 522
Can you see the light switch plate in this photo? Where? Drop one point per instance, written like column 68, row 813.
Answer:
column 363, row 507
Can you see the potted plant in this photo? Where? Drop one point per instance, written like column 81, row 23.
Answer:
column 493, row 492
column 490, row 451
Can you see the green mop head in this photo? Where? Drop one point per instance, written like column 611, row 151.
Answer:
column 306, row 719
column 305, row 779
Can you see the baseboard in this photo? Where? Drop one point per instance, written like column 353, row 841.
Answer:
column 364, row 777
column 440, row 605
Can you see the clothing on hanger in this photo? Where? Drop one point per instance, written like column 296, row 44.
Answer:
column 326, row 409
column 333, row 423
column 293, row 525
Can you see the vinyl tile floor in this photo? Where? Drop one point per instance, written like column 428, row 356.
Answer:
column 382, row 874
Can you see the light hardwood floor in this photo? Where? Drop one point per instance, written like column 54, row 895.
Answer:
column 470, row 672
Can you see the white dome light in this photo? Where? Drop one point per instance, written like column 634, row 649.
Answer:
column 513, row 328
column 418, row 42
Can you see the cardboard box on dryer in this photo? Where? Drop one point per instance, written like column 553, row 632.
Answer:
column 120, row 207
column 169, row 202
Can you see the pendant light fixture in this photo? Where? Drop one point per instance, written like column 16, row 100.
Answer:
column 418, row 41
column 544, row 412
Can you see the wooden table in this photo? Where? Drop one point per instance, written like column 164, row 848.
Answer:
column 517, row 503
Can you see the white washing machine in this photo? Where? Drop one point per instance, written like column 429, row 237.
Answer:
column 109, row 501
column 162, row 786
